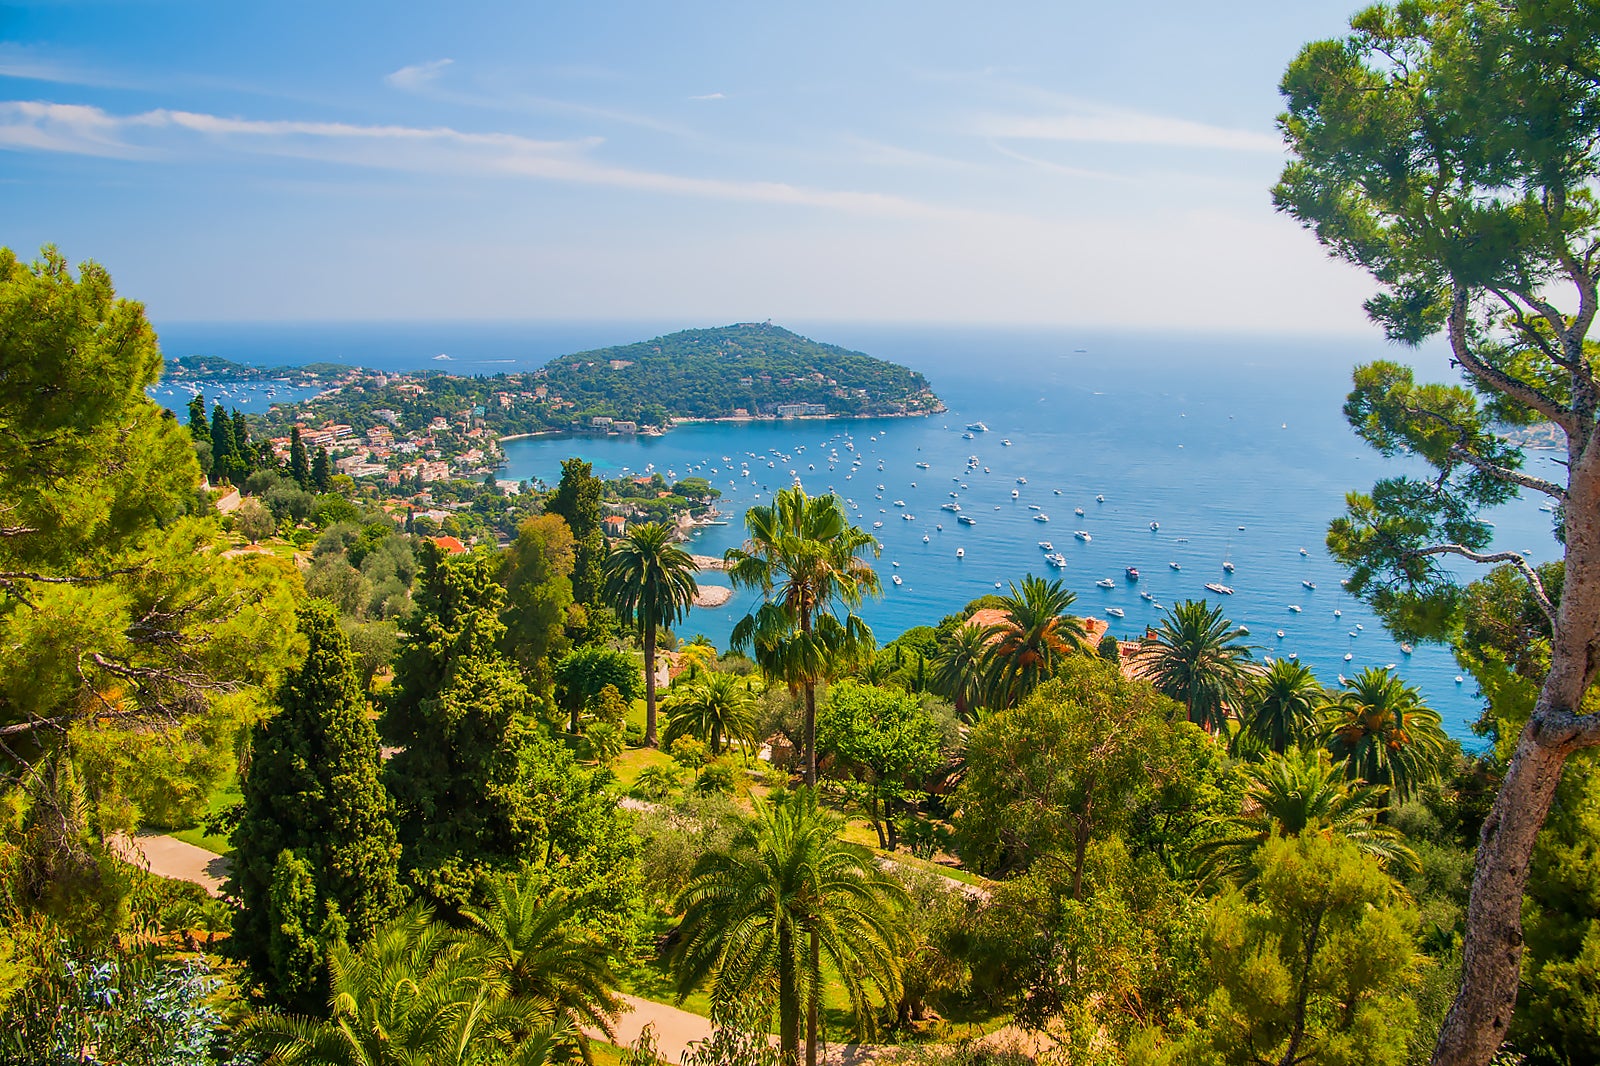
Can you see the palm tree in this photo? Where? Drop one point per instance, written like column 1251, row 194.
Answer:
column 1198, row 658
column 415, row 992
column 709, row 708
column 788, row 879
column 1302, row 792
column 650, row 581
column 958, row 670
column 537, row 943
column 804, row 557
column 1028, row 645
column 1384, row 734
column 1283, row 706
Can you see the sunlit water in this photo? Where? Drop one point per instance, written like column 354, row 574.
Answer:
column 1236, row 449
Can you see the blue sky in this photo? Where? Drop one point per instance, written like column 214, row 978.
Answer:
column 1100, row 165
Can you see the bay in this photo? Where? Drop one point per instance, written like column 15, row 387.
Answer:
column 1236, row 447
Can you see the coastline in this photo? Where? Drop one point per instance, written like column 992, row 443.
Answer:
column 731, row 419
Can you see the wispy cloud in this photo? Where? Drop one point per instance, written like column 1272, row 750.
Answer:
column 1056, row 168
column 1102, row 124
column 439, row 149
column 710, row 96
column 418, row 75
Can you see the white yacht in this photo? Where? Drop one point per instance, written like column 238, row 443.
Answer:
column 1221, row 590
column 1106, row 583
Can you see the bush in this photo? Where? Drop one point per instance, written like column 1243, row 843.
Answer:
column 717, row 778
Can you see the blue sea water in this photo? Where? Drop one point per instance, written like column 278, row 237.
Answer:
column 1236, row 447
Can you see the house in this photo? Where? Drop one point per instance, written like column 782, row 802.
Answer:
column 451, row 545
column 1093, row 628
column 614, row 524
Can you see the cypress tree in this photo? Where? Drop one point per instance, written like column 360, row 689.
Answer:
column 577, row 499
column 244, row 455
column 199, row 428
column 313, row 793
column 224, row 465
column 299, row 464
column 321, row 470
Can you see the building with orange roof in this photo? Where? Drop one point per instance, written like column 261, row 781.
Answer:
column 451, row 545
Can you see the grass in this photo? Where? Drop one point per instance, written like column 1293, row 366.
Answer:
column 633, row 762
column 226, row 793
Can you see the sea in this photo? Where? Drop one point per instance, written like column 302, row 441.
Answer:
column 1178, row 455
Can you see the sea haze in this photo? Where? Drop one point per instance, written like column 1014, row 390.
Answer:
column 1199, row 434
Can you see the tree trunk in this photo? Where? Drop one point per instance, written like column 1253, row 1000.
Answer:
column 1491, row 964
column 811, row 1000
column 811, row 735
column 788, row 1001
column 873, row 809
column 888, row 817
column 650, row 685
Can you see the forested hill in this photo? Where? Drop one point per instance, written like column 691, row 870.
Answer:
column 719, row 373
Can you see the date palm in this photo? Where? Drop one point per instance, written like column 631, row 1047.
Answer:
column 805, row 558
column 650, row 581
column 788, row 895
column 958, row 669
column 416, row 992
column 1295, row 792
column 1197, row 657
column 711, row 708
column 536, row 942
column 1382, row 732
column 1283, row 706
column 1026, row 647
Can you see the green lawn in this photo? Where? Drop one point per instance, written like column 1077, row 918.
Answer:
column 226, row 793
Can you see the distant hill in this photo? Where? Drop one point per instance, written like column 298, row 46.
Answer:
column 750, row 368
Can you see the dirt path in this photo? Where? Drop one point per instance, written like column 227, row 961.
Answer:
column 170, row 857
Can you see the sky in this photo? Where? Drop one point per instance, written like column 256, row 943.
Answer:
column 1041, row 163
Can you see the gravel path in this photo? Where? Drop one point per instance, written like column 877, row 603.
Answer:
column 170, row 857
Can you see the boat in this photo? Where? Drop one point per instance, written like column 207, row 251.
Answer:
column 1459, row 679
column 1015, row 494
column 924, row 538
column 1106, row 583
column 877, row 525
column 1406, row 649
column 909, row 517
column 1082, row 535
column 1077, row 510
column 967, row 520
column 1295, row 607
column 950, row 507
column 1047, row 546
column 899, row 503
column 1041, row 518
column 1304, row 552
column 1280, row 634
column 1175, row 566
column 922, row 466
column 896, row 579
column 1147, row 597
column 1338, row 613
column 1131, row 573
column 1154, row 526
column 1309, row 584
column 966, row 436
column 977, row 427
column 1056, row 559
column 1114, row 612
column 1057, row 492
column 961, row 553
column 1099, row 499
column 1348, row 656
column 1022, row 481
column 1007, row 442
column 1227, row 566
column 1034, row 507
column 1221, row 590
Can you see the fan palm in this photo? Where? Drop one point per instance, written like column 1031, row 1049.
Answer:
column 1384, row 734
column 1026, row 647
column 709, row 708
column 650, row 581
column 1198, row 658
column 958, row 669
column 536, row 942
column 1302, row 792
column 804, row 557
column 749, row 913
column 1283, row 706
column 415, row 992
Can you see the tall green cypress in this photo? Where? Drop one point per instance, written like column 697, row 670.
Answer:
column 245, row 455
column 299, row 464
column 321, row 470
column 480, row 783
column 577, row 499
column 224, row 466
column 199, row 428
column 313, row 791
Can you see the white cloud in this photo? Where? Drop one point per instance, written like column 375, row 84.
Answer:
column 1101, row 124
column 437, row 149
column 709, row 96
column 418, row 75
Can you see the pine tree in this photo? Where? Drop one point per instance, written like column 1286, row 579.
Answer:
column 299, row 464
column 577, row 499
column 321, row 470
column 313, row 792
column 224, row 461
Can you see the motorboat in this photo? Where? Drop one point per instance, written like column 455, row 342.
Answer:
column 1057, row 560
column 1022, row 481
column 1007, row 442
column 922, row 466
column 896, row 579
column 1280, row 634
column 1099, row 499
column 1115, row 612
column 1348, row 656
column 1154, row 526
column 977, row 427
column 950, row 507
column 1106, row 583
column 961, row 553
column 924, row 538
column 1078, row 511
column 1304, row 552
column 1147, row 597
column 1295, row 607
column 1309, row 584
column 1047, row 546
column 1082, row 535
column 1041, row 518
column 1131, row 573
column 1406, row 649
column 1175, row 566
column 1221, row 590
column 1227, row 566
column 967, row 520
column 1015, row 494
